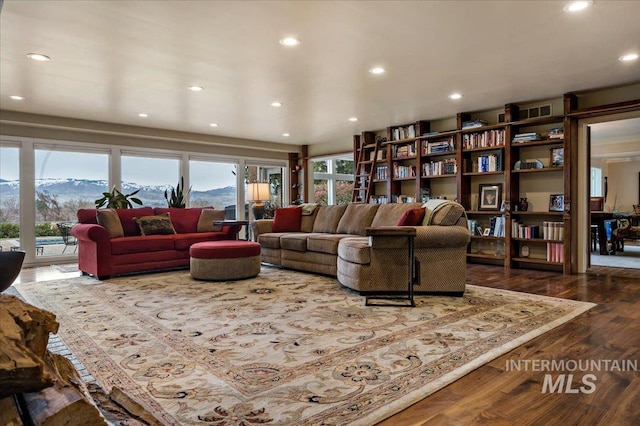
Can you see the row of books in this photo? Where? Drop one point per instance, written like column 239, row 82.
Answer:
column 401, row 151
column 489, row 163
column 402, row 172
column 518, row 230
column 555, row 252
column 399, row 199
column 400, row 133
column 439, row 147
column 553, row 230
column 473, row 124
column 486, row 139
column 380, row 155
column 549, row 231
column 438, row 168
column 382, row 172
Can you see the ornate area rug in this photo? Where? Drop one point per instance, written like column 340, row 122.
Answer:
column 285, row 347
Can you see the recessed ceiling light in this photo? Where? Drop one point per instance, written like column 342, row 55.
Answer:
column 17, row 98
column 628, row 57
column 276, row 104
column 353, row 119
column 143, row 115
column 577, row 6
column 290, row 41
column 38, row 57
column 213, row 124
column 196, row 88
column 455, row 96
column 286, row 135
column 377, row 70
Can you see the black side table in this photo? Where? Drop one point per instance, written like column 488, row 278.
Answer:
column 233, row 223
column 403, row 300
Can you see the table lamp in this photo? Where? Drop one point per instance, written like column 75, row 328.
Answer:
column 257, row 192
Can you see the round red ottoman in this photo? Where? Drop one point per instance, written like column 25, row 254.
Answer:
column 224, row 260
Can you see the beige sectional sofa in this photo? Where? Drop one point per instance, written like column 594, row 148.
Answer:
column 332, row 241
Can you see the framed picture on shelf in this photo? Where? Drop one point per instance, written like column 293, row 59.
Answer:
column 490, row 196
column 557, row 157
column 556, row 202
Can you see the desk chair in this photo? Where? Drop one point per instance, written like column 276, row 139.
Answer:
column 596, row 204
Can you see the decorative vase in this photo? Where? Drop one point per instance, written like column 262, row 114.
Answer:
column 10, row 265
column 523, row 205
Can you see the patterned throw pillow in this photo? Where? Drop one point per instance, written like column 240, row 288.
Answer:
column 111, row 221
column 155, row 225
column 207, row 217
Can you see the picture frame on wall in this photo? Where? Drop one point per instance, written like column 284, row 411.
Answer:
column 556, row 202
column 556, row 157
column 490, row 196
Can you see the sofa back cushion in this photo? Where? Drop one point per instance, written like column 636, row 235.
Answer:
column 109, row 219
column 356, row 218
column 389, row 214
column 308, row 217
column 88, row 216
column 328, row 218
column 287, row 219
column 207, row 217
column 444, row 213
column 128, row 222
column 185, row 221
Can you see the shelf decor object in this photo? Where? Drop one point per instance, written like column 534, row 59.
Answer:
column 556, row 203
column 490, row 196
column 556, row 157
column 257, row 193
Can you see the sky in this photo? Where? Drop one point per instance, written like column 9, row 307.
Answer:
column 142, row 171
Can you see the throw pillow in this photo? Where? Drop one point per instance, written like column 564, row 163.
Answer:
column 111, row 221
column 155, row 225
column 412, row 217
column 287, row 219
column 207, row 217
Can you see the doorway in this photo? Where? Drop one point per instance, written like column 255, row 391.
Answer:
column 613, row 169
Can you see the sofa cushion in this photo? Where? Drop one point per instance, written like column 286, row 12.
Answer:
column 206, row 219
column 325, row 243
column 128, row 222
column 108, row 218
column 184, row 241
column 411, row 217
column 307, row 221
column 328, row 218
column 159, row 224
column 389, row 214
column 270, row 240
column 442, row 213
column 297, row 242
column 355, row 250
column 87, row 216
column 140, row 244
column 183, row 220
column 287, row 219
column 356, row 218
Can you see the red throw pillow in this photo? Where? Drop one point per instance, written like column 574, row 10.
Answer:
column 288, row 219
column 411, row 217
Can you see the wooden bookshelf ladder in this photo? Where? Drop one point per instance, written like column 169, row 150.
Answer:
column 367, row 152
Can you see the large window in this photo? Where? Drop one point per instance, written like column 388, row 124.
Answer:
column 152, row 176
column 9, row 197
column 213, row 184
column 333, row 180
column 65, row 182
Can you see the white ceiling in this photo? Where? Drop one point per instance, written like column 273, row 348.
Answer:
column 114, row 59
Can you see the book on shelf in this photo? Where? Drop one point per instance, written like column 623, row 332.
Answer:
column 473, row 124
column 555, row 252
column 439, row 147
column 439, row 168
column 526, row 137
column 405, row 132
column 553, row 230
column 486, row 139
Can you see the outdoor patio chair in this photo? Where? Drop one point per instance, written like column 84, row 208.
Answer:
column 67, row 238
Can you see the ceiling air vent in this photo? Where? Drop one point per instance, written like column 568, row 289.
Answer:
column 533, row 112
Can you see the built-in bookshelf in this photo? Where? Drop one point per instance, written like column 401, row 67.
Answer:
column 489, row 167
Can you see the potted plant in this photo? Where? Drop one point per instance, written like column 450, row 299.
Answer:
column 117, row 200
column 177, row 196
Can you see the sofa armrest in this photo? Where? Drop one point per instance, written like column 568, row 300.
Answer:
column 441, row 236
column 261, row 226
column 390, row 237
column 90, row 232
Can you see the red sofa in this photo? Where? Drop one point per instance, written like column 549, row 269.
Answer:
column 103, row 257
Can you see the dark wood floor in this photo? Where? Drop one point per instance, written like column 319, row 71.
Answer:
column 610, row 331
column 493, row 395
